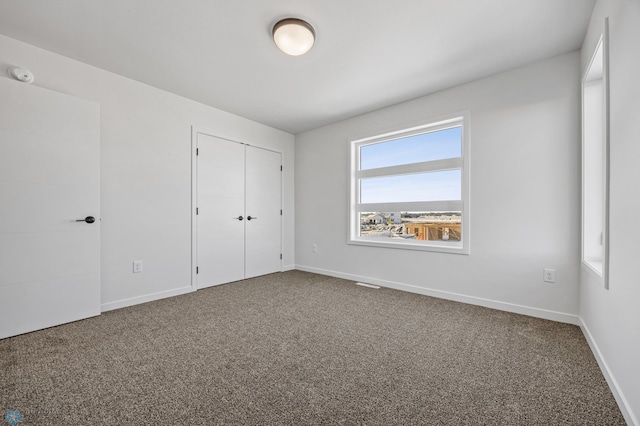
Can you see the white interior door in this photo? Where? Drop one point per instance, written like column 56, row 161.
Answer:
column 263, row 237
column 49, row 179
column 221, row 217
column 238, row 221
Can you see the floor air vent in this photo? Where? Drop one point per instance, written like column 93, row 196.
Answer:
column 368, row 285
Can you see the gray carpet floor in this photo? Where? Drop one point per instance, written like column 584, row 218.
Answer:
column 296, row 348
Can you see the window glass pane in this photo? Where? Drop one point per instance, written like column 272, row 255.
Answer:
column 419, row 226
column 430, row 146
column 431, row 186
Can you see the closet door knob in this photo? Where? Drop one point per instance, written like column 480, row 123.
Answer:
column 239, row 217
column 88, row 219
column 249, row 217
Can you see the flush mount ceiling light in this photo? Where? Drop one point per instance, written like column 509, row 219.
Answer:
column 293, row 36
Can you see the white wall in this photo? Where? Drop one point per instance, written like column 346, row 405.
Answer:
column 611, row 318
column 146, row 171
column 525, row 169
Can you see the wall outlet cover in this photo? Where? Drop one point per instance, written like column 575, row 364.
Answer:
column 549, row 275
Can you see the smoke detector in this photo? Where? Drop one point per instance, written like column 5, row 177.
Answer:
column 21, row 74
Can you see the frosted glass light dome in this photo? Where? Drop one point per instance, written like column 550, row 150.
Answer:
column 294, row 37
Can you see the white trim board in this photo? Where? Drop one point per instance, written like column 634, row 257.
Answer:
column 456, row 297
column 144, row 298
column 625, row 409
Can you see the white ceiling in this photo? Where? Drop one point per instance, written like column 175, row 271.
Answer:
column 368, row 54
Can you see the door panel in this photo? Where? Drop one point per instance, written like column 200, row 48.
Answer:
column 263, row 200
column 220, row 188
column 49, row 302
column 49, row 177
column 52, row 207
column 31, row 154
column 40, row 256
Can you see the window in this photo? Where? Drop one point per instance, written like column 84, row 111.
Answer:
column 410, row 188
column 595, row 163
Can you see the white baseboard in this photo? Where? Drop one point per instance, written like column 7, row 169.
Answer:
column 145, row 298
column 157, row 296
column 623, row 404
column 456, row 297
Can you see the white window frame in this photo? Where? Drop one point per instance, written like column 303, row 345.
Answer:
column 462, row 205
column 597, row 266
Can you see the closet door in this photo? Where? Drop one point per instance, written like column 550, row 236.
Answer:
column 220, row 219
column 263, row 234
column 238, row 220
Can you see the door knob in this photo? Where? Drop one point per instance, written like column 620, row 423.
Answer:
column 249, row 217
column 88, row 219
column 239, row 218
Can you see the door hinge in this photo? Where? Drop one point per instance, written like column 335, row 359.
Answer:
column 280, row 256
column 197, row 210
column 280, row 212
column 280, row 168
column 197, row 270
column 197, row 151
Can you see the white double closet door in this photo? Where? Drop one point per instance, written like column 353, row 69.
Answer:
column 239, row 216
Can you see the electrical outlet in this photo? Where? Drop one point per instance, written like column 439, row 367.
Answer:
column 137, row 266
column 549, row 275
column 314, row 248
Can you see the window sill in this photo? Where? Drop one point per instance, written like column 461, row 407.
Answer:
column 594, row 268
column 439, row 246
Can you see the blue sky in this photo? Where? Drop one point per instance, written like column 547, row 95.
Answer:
column 414, row 149
column 433, row 186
